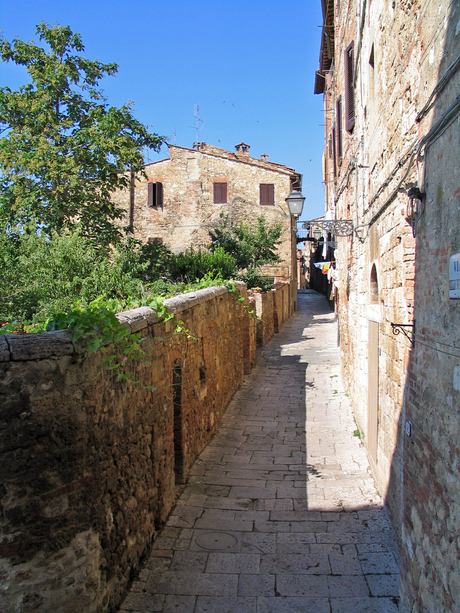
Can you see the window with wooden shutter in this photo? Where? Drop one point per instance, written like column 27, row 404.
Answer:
column 267, row 194
column 349, row 88
column 339, row 130
column 334, row 150
column 154, row 194
column 150, row 193
column 220, row 193
column 159, row 194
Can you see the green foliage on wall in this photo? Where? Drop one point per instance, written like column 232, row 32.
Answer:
column 192, row 265
column 41, row 273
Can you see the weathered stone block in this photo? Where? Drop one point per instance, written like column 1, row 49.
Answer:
column 39, row 346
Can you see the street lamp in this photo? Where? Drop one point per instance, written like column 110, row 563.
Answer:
column 295, row 202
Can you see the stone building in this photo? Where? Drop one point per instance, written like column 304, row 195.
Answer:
column 185, row 195
column 390, row 81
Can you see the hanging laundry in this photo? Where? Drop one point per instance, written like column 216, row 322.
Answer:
column 323, row 266
column 332, row 278
column 325, row 245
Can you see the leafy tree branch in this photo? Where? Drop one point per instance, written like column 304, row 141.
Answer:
column 63, row 150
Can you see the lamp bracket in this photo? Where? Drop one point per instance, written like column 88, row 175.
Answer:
column 338, row 227
column 407, row 329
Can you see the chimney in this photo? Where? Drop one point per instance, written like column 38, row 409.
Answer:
column 264, row 157
column 242, row 150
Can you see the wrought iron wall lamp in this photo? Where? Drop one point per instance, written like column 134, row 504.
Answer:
column 338, row 227
column 415, row 207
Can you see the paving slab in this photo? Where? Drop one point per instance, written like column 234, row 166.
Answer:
column 293, row 605
column 280, row 513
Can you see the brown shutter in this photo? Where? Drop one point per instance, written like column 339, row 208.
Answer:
column 262, row 191
column 150, row 193
column 220, row 193
column 267, row 194
column 159, row 194
column 334, row 152
column 271, row 193
column 349, row 90
column 339, row 130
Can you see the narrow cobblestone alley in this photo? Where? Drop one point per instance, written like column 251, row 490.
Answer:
column 280, row 514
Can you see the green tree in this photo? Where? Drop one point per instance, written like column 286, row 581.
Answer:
column 251, row 246
column 63, row 150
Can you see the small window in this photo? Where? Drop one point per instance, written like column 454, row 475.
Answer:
column 374, row 286
column 371, row 96
column 267, row 194
column 154, row 194
column 349, row 88
column 154, row 239
column 220, row 193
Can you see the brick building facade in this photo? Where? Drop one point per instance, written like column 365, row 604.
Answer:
column 390, row 80
column 185, row 196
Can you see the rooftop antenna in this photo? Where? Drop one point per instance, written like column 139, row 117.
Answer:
column 199, row 122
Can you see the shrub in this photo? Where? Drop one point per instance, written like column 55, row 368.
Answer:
column 191, row 265
column 250, row 246
column 40, row 274
column 254, row 280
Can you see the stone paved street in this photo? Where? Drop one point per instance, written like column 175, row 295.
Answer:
column 280, row 514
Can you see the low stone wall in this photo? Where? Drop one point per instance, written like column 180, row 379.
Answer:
column 90, row 464
column 272, row 310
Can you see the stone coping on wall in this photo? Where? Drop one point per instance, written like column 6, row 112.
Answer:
column 42, row 345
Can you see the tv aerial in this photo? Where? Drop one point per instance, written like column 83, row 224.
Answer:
column 199, row 122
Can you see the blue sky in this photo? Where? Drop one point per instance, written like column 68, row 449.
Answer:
column 249, row 65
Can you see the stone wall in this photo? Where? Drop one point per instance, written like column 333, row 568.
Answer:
column 431, row 478
column 90, row 464
column 406, row 55
column 272, row 310
column 375, row 265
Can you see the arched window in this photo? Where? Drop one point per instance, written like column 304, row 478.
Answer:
column 374, row 286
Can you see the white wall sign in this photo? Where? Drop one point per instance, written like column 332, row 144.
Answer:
column 454, row 276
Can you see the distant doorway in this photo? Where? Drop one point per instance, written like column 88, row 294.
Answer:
column 373, row 389
column 373, row 372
